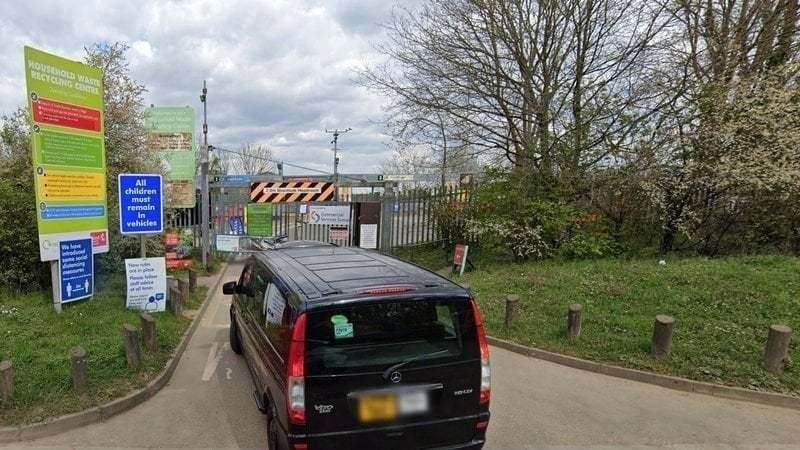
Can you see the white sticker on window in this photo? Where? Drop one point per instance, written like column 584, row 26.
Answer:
column 274, row 305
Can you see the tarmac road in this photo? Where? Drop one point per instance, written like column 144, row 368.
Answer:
column 535, row 405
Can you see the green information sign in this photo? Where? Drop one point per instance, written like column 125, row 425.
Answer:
column 170, row 132
column 65, row 99
column 259, row 219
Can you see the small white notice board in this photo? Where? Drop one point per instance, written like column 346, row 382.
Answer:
column 147, row 284
column 368, row 235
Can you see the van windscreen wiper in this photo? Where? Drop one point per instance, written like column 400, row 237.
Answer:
column 388, row 372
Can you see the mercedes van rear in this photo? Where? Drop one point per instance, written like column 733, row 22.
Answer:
column 401, row 372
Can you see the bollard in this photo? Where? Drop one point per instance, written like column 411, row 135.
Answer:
column 6, row 380
column 776, row 351
column 174, row 300
column 512, row 309
column 79, row 368
column 192, row 280
column 148, row 331
column 130, row 340
column 574, row 321
column 662, row 336
column 183, row 287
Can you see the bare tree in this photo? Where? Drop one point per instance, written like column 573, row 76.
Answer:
column 554, row 86
column 252, row 159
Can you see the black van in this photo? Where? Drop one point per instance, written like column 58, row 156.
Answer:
column 352, row 349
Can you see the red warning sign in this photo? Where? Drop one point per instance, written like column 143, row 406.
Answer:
column 66, row 115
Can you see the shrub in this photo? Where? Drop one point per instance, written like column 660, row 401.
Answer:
column 524, row 241
column 583, row 245
column 19, row 241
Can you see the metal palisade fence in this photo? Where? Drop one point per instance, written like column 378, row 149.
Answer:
column 408, row 218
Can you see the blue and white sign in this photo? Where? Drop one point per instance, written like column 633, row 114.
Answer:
column 76, row 270
column 141, row 205
column 237, row 224
column 147, row 284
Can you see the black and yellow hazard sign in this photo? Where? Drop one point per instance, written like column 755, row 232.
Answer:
column 291, row 191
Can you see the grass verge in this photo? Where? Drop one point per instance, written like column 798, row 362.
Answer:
column 723, row 309
column 37, row 340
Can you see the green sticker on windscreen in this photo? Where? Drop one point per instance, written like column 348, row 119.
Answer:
column 338, row 319
column 343, row 330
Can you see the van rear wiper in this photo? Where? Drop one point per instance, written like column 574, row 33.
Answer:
column 388, row 372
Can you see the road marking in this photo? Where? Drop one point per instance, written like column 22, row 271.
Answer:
column 228, row 372
column 214, row 356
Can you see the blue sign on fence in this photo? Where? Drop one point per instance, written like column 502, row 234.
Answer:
column 140, row 204
column 237, row 225
column 76, row 269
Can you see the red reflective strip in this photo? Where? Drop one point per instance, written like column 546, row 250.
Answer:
column 482, row 425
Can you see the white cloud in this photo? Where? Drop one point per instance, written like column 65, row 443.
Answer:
column 278, row 71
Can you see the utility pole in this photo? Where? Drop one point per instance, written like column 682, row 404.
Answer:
column 336, row 133
column 204, row 228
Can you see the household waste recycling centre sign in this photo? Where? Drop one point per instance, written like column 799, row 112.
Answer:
column 140, row 204
column 65, row 99
column 76, row 269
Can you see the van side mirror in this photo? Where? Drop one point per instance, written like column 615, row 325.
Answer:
column 230, row 288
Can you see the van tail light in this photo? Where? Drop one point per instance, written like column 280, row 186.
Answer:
column 486, row 368
column 387, row 289
column 296, row 385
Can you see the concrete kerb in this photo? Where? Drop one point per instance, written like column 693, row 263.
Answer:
column 680, row 384
column 104, row 412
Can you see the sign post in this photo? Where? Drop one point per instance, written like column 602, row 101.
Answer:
column 170, row 133
column 460, row 258
column 65, row 100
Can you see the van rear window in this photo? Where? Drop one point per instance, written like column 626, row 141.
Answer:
column 372, row 336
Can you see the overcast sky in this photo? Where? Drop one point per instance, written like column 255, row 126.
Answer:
column 279, row 71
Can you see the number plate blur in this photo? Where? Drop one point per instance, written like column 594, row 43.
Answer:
column 410, row 403
column 372, row 408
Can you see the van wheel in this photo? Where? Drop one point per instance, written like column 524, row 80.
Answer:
column 236, row 344
column 272, row 429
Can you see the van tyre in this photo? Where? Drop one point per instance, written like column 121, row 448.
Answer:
column 272, row 428
column 236, row 343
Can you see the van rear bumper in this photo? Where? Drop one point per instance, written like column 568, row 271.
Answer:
column 473, row 445
column 333, row 438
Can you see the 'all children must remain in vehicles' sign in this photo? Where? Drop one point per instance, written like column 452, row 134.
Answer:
column 69, row 159
column 140, row 204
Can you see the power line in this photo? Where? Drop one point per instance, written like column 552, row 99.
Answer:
column 272, row 160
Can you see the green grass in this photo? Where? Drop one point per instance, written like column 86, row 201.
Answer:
column 430, row 256
column 723, row 308
column 37, row 340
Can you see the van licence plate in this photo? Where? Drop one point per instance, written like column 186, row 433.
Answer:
column 373, row 408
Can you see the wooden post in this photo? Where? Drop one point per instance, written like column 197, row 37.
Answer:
column 192, row 280
column 130, row 340
column 574, row 321
column 512, row 309
column 183, row 286
column 148, row 331
column 662, row 336
column 79, row 368
column 6, row 381
column 777, row 350
column 174, row 300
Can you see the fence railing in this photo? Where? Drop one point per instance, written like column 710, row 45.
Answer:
column 409, row 218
